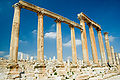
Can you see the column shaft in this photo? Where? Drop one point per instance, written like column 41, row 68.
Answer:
column 73, row 45
column 40, row 39
column 84, row 43
column 59, row 41
column 93, row 44
column 117, row 59
column 102, row 50
column 113, row 55
column 108, row 48
column 15, row 34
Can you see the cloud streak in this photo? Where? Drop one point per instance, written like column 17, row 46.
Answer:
column 51, row 35
column 68, row 44
column 2, row 52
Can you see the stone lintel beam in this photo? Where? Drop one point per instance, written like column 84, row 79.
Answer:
column 48, row 13
column 88, row 20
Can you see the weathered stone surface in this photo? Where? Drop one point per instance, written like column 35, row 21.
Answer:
column 73, row 45
column 108, row 48
column 84, row 44
column 93, row 44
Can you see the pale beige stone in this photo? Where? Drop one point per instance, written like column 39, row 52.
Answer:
column 84, row 43
column 15, row 33
column 108, row 48
column 102, row 50
column 93, row 44
column 73, row 45
column 59, row 41
column 117, row 59
column 40, row 39
column 113, row 55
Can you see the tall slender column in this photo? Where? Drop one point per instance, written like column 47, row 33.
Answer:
column 59, row 41
column 117, row 59
column 73, row 45
column 113, row 55
column 102, row 50
column 93, row 44
column 15, row 33
column 108, row 47
column 84, row 44
column 40, row 39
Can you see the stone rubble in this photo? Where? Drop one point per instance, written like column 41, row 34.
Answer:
column 53, row 70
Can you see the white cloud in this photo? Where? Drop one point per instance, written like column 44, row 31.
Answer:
column 34, row 31
column 53, row 25
column 68, row 44
column 21, row 41
column 111, row 38
column 51, row 35
column 2, row 52
column 6, row 56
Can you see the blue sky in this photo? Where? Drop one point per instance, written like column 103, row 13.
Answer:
column 104, row 12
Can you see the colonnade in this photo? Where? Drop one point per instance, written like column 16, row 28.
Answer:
column 59, row 19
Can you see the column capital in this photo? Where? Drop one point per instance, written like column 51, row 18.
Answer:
column 98, row 30
column 58, row 20
column 40, row 13
column 105, row 33
column 112, row 47
column 17, row 5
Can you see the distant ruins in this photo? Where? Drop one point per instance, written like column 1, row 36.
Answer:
column 41, row 69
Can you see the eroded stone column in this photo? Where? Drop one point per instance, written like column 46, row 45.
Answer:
column 73, row 45
column 84, row 44
column 102, row 50
column 117, row 59
column 113, row 55
column 93, row 44
column 108, row 48
column 59, row 41
column 15, row 33
column 40, row 39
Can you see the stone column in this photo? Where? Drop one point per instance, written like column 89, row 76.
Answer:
column 73, row 45
column 27, row 57
column 113, row 55
column 15, row 33
column 117, row 59
column 40, row 39
column 102, row 50
column 84, row 44
column 59, row 41
column 21, row 57
column 93, row 44
column 108, row 47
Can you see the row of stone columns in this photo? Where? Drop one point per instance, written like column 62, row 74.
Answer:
column 40, row 41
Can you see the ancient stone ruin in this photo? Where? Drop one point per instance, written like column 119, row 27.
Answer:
column 57, row 69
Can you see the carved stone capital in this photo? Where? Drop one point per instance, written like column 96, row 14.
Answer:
column 40, row 13
column 17, row 5
column 105, row 33
column 58, row 20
